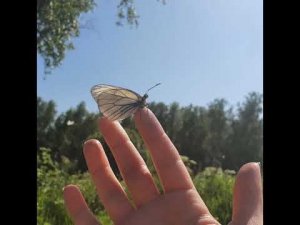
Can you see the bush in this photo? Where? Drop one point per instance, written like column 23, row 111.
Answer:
column 215, row 187
column 52, row 177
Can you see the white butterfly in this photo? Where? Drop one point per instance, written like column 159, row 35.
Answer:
column 117, row 103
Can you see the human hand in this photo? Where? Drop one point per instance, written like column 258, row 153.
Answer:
column 180, row 204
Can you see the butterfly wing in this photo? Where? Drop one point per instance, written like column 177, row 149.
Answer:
column 114, row 102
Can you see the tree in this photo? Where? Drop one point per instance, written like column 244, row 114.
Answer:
column 173, row 122
column 45, row 120
column 161, row 111
column 211, row 136
column 58, row 22
column 126, row 11
column 192, row 133
column 245, row 141
column 72, row 129
column 218, row 129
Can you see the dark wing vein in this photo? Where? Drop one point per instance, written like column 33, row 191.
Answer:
column 123, row 112
column 116, row 103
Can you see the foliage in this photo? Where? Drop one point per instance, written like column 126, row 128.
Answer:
column 66, row 133
column 215, row 135
column 52, row 177
column 215, row 186
column 57, row 23
column 45, row 118
column 245, row 142
column 210, row 139
column 126, row 10
column 211, row 136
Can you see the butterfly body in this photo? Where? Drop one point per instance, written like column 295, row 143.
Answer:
column 117, row 103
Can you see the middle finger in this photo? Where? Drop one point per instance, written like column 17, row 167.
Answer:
column 131, row 165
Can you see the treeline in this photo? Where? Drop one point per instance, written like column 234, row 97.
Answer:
column 218, row 135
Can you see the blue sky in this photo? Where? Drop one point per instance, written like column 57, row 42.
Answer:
column 199, row 50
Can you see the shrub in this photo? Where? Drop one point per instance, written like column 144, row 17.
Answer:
column 215, row 187
column 52, row 177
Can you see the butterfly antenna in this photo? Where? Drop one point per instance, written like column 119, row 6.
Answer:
column 153, row 87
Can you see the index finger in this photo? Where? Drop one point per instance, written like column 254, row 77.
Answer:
column 166, row 159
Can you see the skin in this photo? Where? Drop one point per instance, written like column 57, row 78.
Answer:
column 180, row 204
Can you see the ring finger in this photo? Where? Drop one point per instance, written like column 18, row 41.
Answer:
column 131, row 165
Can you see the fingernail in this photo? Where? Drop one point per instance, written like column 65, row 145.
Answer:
column 259, row 165
column 91, row 141
column 260, row 168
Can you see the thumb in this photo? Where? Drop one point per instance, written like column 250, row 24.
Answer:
column 247, row 196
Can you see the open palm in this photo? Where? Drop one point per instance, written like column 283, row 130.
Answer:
column 180, row 204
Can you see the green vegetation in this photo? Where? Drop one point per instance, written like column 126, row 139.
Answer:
column 52, row 177
column 58, row 22
column 214, row 142
column 214, row 185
